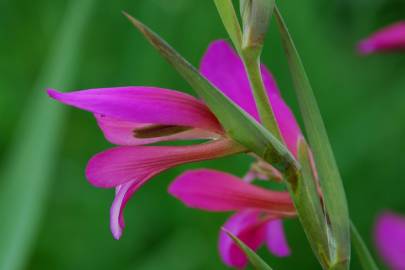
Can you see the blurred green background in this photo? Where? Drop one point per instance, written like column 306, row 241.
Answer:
column 51, row 218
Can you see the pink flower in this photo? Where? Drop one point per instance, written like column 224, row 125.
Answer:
column 390, row 239
column 391, row 38
column 259, row 211
column 134, row 117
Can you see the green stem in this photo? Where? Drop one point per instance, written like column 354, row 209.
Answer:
column 366, row 260
column 252, row 64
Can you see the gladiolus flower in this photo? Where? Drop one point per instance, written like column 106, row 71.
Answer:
column 391, row 38
column 258, row 211
column 390, row 239
column 134, row 117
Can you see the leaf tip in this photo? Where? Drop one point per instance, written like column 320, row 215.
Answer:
column 134, row 21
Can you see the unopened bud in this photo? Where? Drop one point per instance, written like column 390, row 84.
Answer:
column 255, row 16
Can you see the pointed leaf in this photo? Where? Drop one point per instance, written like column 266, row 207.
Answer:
column 330, row 180
column 306, row 197
column 366, row 260
column 239, row 125
column 230, row 20
column 253, row 258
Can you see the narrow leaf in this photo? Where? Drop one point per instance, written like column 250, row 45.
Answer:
column 253, row 258
column 238, row 124
column 330, row 180
column 230, row 20
column 366, row 260
column 307, row 201
column 26, row 176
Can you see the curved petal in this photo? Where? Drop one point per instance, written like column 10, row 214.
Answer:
column 121, row 198
column 250, row 228
column 390, row 38
column 123, row 164
column 218, row 191
column 125, row 132
column 143, row 105
column 390, row 239
column 276, row 240
column 223, row 68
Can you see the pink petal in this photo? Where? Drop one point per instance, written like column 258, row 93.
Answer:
column 143, row 105
column 390, row 239
column 390, row 38
column 223, row 67
column 123, row 164
column 276, row 240
column 287, row 123
column 123, row 132
column 218, row 191
column 122, row 195
column 250, row 228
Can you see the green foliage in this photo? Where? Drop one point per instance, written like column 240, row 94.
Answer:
column 366, row 260
column 26, row 176
column 329, row 177
column 253, row 258
column 230, row 20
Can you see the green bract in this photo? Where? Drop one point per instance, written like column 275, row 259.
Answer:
column 253, row 258
column 329, row 177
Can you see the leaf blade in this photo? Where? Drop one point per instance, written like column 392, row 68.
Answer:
column 230, row 20
column 330, row 180
column 366, row 260
column 257, row 262
column 307, row 201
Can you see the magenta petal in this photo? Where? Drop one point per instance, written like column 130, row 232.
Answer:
column 276, row 240
column 390, row 239
column 390, row 38
column 287, row 123
column 123, row 164
column 123, row 194
column 122, row 132
column 249, row 227
column 223, row 67
column 142, row 105
column 218, row 191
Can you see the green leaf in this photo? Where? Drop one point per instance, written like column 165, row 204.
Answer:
column 366, row 260
column 307, row 201
column 253, row 258
column 238, row 124
column 26, row 176
column 230, row 20
column 330, row 180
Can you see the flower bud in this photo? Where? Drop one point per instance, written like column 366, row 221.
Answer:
column 255, row 17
